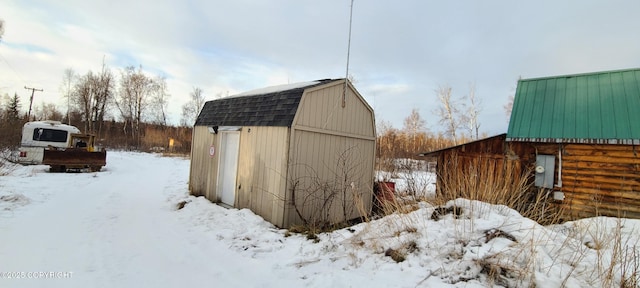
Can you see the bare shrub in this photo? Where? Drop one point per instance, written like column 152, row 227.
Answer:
column 328, row 201
column 7, row 160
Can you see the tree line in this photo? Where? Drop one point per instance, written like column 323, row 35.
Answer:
column 457, row 115
column 122, row 109
column 152, row 136
column 130, row 112
column 135, row 97
column 411, row 140
column 127, row 109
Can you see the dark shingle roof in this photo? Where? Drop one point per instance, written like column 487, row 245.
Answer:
column 599, row 107
column 269, row 109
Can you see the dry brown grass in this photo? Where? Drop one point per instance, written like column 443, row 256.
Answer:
column 495, row 182
column 616, row 260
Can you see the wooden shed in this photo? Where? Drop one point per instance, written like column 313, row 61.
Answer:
column 582, row 133
column 489, row 158
column 294, row 154
column 578, row 135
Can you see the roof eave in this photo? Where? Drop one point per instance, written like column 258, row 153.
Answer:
column 575, row 140
column 437, row 152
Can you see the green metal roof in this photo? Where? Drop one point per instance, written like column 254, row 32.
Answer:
column 602, row 107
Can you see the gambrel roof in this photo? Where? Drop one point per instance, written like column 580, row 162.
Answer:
column 271, row 106
column 601, row 107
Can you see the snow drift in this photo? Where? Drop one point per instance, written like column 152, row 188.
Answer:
column 135, row 223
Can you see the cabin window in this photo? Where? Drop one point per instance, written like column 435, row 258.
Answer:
column 50, row 135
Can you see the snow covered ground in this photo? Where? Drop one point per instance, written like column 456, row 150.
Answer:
column 122, row 228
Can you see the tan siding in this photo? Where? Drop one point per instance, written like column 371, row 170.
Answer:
column 321, row 108
column 319, row 164
column 203, row 170
column 246, row 164
column 196, row 182
column 212, row 173
column 262, row 171
column 325, row 132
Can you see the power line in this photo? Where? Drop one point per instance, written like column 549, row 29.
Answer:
column 11, row 67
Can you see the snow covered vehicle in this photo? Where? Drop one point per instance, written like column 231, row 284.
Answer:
column 60, row 146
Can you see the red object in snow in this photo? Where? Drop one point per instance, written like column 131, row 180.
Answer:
column 387, row 191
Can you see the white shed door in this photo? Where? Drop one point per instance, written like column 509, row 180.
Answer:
column 230, row 142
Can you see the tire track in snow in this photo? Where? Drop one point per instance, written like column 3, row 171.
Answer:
column 119, row 228
column 112, row 215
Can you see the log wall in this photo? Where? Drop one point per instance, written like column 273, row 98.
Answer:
column 601, row 180
column 596, row 179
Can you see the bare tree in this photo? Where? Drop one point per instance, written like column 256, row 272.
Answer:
column 1, row 28
column 159, row 101
column 387, row 143
column 473, row 109
column 413, row 125
column 383, row 126
column 133, row 99
column 352, row 79
column 92, row 94
column 105, row 90
column 508, row 107
column 47, row 111
column 66, row 88
column 82, row 95
column 448, row 112
column 191, row 109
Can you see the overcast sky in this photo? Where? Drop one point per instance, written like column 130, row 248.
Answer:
column 401, row 51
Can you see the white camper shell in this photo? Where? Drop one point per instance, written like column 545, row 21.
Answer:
column 40, row 135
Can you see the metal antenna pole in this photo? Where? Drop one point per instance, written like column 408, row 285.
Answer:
column 346, row 76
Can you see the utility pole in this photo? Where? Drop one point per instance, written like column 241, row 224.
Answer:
column 33, row 90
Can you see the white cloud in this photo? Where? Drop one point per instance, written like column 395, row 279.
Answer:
column 400, row 52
